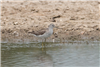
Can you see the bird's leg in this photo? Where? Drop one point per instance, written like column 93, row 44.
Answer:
column 42, row 45
column 45, row 39
column 45, row 42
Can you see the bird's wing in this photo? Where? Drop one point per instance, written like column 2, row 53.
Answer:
column 40, row 32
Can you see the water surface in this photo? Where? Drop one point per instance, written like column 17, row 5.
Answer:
column 54, row 55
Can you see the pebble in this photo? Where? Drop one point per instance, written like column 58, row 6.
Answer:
column 15, row 23
column 15, row 33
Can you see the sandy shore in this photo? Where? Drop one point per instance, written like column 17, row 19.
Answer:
column 78, row 20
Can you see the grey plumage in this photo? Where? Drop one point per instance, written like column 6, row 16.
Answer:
column 44, row 33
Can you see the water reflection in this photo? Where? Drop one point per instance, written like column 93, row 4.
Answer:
column 67, row 54
column 45, row 60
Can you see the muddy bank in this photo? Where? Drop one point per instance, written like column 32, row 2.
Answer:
column 78, row 20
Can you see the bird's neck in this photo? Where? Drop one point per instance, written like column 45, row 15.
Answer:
column 50, row 29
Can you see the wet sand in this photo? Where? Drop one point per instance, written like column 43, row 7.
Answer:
column 78, row 20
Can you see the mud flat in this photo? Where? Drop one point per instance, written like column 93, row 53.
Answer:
column 78, row 20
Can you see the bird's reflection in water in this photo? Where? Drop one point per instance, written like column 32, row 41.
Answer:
column 42, row 59
column 45, row 60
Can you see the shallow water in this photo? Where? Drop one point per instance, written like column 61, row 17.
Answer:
column 54, row 55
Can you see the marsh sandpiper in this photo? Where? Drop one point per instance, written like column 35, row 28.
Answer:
column 44, row 33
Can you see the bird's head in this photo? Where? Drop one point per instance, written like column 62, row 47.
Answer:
column 51, row 26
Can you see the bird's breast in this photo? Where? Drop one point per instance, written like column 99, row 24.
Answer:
column 50, row 31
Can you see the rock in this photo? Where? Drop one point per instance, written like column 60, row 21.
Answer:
column 72, row 18
column 15, row 23
column 97, row 29
column 55, row 34
column 30, row 30
column 15, row 33
column 9, row 31
column 82, row 32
